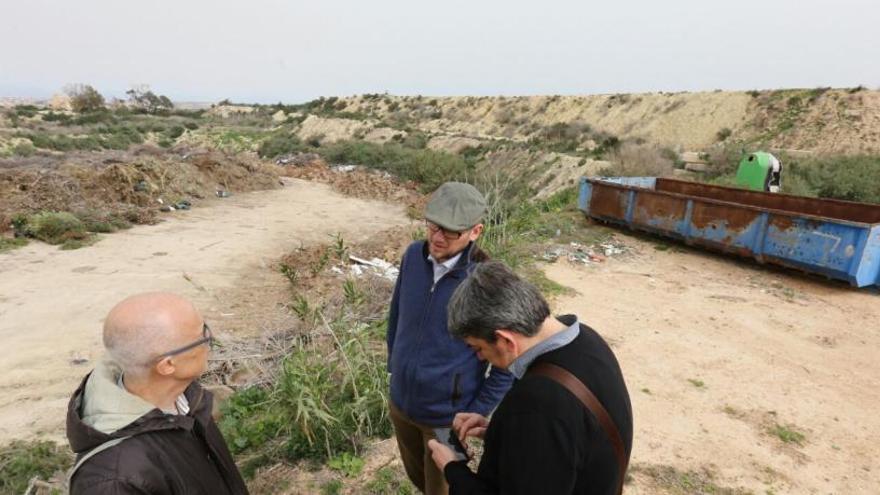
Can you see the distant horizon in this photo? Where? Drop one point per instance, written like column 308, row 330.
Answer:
column 108, row 97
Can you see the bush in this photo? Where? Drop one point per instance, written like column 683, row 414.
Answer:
column 330, row 396
column 55, row 227
column 175, row 131
column 427, row 167
column 639, row 160
column 280, row 144
column 851, row 178
column 84, row 98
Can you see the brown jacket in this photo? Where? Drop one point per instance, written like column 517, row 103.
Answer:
column 165, row 454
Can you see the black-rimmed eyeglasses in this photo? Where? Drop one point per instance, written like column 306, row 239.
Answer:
column 451, row 235
column 207, row 338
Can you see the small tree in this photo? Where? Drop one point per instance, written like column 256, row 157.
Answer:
column 142, row 97
column 84, row 98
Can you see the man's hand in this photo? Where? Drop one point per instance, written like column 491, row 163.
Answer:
column 469, row 425
column 441, row 454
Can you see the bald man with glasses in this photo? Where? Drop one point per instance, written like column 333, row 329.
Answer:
column 139, row 422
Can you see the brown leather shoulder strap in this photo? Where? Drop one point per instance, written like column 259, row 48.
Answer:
column 589, row 400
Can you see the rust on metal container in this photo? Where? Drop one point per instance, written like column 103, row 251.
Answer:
column 736, row 220
column 609, row 201
column 830, row 208
column 659, row 210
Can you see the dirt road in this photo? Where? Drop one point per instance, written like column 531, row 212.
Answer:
column 52, row 302
column 727, row 363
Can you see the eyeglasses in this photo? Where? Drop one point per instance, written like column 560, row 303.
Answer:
column 207, row 338
column 451, row 235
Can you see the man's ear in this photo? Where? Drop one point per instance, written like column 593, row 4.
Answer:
column 165, row 366
column 505, row 338
column 475, row 232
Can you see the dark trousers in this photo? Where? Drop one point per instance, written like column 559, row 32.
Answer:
column 412, row 440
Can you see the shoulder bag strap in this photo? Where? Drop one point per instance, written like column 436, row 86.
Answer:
column 579, row 390
column 88, row 455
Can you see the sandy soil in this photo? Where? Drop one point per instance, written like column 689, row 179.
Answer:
column 52, row 302
column 718, row 351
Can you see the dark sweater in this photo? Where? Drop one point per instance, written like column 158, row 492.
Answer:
column 541, row 439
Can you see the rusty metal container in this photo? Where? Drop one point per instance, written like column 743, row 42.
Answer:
column 837, row 239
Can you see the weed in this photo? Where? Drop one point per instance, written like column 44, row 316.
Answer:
column 346, row 463
column 339, row 247
column 386, row 481
column 21, row 461
column 332, row 487
column 7, row 244
column 330, row 395
column 723, row 134
column 319, row 264
column 646, row 391
column 676, row 482
column 301, row 307
column 787, row 434
column 353, row 295
column 290, row 273
column 697, row 383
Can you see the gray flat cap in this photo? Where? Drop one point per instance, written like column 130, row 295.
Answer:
column 456, row 206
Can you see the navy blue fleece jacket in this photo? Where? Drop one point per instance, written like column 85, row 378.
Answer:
column 433, row 374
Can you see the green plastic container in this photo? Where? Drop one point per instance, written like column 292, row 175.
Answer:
column 755, row 171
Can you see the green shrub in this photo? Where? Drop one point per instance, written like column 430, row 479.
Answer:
column 279, row 144
column 84, row 98
column 23, row 149
column 26, row 110
column 55, row 227
column 330, row 396
column 427, row 167
column 61, row 118
column 851, row 178
column 175, row 131
column 20, row 461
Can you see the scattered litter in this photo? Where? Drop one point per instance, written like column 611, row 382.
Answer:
column 183, row 205
column 141, row 186
column 576, row 252
column 344, row 168
column 167, row 208
column 611, row 249
column 223, row 194
column 298, row 159
column 362, row 267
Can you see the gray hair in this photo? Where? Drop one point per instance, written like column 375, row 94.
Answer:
column 135, row 349
column 492, row 298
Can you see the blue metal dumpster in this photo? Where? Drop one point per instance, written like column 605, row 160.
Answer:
column 837, row 239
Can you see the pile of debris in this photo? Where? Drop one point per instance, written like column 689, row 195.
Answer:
column 579, row 253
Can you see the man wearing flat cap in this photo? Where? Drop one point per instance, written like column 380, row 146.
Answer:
column 433, row 375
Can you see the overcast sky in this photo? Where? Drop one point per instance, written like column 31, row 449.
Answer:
column 292, row 51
